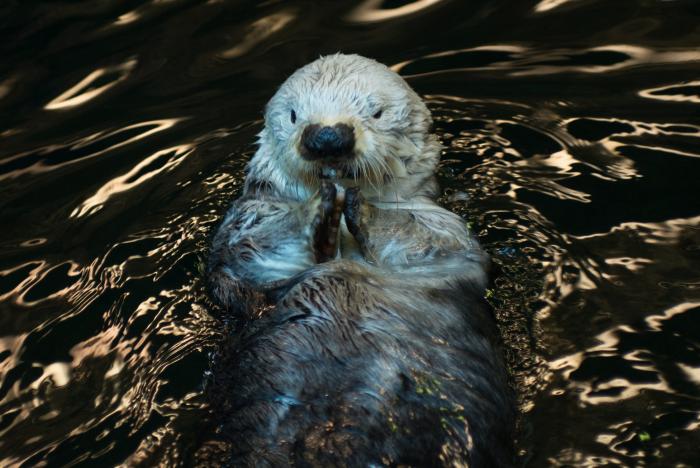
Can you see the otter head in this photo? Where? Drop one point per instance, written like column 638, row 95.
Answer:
column 354, row 120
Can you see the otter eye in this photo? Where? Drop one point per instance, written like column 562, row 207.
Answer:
column 378, row 114
column 294, row 116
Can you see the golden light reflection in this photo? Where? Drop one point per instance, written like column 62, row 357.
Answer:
column 631, row 263
column 589, row 392
column 572, row 457
column 58, row 372
column 13, row 344
column 655, row 322
column 547, row 5
column 6, row 87
column 663, row 93
column 660, row 233
column 117, row 375
column 132, row 178
column 667, row 150
column 150, row 127
column 137, row 13
column 532, row 62
column 146, row 307
column 259, row 31
column 507, row 48
column 127, row 18
column 370, row 11
column 84, row 91
column 636, row 56
column 221, row 181
column 666, row 233
column 621, row 166
column 46, row 164
column 692, row 373
column 100, row 345
column 36, row 276
column 38, row 268
column 562, row 160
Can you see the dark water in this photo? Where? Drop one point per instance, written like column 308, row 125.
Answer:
column 572, row 126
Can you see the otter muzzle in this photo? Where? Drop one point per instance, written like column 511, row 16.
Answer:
column 336, row 142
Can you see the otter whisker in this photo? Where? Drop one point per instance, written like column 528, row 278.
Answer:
column 363, row 169
column 371, row 175
column 388, row 170
column 377, row 175
column 380, row 169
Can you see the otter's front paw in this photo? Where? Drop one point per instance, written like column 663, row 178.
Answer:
column 357, row 215
column 326, row 221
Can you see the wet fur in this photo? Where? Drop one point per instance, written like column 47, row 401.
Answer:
column 383, row 354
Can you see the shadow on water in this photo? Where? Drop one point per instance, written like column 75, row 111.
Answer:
column 572, row 145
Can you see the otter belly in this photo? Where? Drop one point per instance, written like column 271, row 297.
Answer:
column 353, row 368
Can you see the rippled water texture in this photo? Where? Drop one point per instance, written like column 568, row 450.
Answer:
column 572, row 137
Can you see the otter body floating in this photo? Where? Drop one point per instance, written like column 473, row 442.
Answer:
column 362, row 335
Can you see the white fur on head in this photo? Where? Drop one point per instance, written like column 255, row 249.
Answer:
column 395, row 155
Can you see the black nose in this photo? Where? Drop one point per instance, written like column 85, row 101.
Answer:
column 319, row 142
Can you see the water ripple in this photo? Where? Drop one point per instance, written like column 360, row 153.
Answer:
column 522, row 61
column 679, row 92
column 371, row 10
column 92, row 86
column 160, row 161
column 52, row 157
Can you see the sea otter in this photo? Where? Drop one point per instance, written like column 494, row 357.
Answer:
column 362, row 337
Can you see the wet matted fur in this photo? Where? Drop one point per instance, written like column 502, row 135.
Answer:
column 362, row 335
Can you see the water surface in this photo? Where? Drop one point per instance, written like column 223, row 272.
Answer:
column 572, row 146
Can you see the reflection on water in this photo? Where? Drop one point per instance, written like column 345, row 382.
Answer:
column 160, row 161
column 260, row 31
column 546, row 5
column 375, row 10
column 572, row 144
column 54, row 156
column 678, row 92
column 92, row 86
column 520, row 61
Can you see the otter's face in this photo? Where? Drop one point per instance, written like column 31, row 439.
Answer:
column 349, row 118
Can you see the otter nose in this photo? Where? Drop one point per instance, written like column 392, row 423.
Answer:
column 327, row 142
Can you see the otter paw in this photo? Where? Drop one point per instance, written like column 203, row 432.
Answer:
column 326, row 222
column 357, row 213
